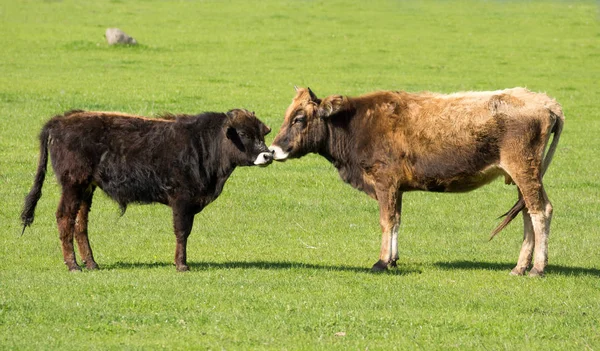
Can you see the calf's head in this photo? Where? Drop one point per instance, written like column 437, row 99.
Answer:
column 303, row 130
column 247, row 133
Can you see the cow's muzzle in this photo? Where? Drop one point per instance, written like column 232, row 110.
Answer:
column 264, row 159
column 278, row 153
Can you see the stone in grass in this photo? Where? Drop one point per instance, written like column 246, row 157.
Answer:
column 117, row 36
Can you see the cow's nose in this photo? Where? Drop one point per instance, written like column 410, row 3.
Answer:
column 278, row 153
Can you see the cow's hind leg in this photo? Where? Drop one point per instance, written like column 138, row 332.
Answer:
column 528, row 244
column 81, row 229
column 183, row 221
column 536, row 219
column 541, row 226
column 65, row 219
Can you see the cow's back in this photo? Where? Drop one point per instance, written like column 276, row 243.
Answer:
column 438, row 141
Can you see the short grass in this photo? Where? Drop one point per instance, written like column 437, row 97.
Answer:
column 281, row 259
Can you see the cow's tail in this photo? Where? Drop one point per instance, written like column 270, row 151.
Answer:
column 35, row 193
column 555, row 111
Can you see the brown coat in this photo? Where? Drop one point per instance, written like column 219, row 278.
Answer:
column 386, row 143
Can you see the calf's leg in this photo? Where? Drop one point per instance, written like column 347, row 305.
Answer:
column 81, row 230
column 66, row 213
column 183, row 221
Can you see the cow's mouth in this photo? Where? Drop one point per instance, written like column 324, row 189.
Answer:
column 278, row 153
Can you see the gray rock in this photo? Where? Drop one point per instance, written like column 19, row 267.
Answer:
column 117, row 36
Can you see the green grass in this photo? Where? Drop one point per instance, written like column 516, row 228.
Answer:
column 281, row 259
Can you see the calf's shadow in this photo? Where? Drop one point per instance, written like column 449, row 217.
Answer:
column 266, row 265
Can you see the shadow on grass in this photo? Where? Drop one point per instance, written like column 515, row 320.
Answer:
column 551, row 269
column 266, row 265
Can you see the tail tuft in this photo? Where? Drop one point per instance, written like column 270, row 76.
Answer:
column 510, row 215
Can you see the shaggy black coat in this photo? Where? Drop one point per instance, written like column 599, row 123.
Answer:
column 181, row 161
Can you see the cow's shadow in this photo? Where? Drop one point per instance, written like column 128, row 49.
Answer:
column 550, row 270
column 401, row 270
column 266, row 265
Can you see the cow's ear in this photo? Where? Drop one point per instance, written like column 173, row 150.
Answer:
column 331, row 105
column 313, row 97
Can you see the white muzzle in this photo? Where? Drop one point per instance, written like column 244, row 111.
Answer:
column 278, row 153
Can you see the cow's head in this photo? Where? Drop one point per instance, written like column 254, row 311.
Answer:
column 247, row 134
column 303, row 130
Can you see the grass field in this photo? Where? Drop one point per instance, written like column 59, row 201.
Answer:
column 281, row 260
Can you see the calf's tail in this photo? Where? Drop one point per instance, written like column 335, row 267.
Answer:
column 520, row 205
column 35, row 193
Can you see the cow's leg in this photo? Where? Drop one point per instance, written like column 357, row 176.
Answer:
column 183, row 221
column 65, row 220
column 527, row 247
column 536, row 217
column 81, row 230
column 389, row 220
column 541, row 226
column 395, row 229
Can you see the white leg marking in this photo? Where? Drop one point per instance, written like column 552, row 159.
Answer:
column 395, row 242
column 527, row 247
column 541, row 226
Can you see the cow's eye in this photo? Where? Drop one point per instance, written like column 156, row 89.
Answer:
column 243, row 135
column 299, row 119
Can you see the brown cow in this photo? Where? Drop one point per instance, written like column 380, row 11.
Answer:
column 386, row 143
column 181, row 161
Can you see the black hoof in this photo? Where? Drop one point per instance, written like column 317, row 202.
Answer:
column 92, row 266
column 74, row 269
column 183, row 268
column 380, row 266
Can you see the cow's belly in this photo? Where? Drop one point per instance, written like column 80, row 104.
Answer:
column 456, row 183
column 471, row 182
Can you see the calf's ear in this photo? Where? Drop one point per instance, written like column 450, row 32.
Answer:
column 265, row 129
column 331, row 105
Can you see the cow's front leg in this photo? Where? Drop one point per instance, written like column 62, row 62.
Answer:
column 390, row 205
column 183, row 220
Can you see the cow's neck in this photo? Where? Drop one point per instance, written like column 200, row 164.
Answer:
column 337, row 144
column 339, row 150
